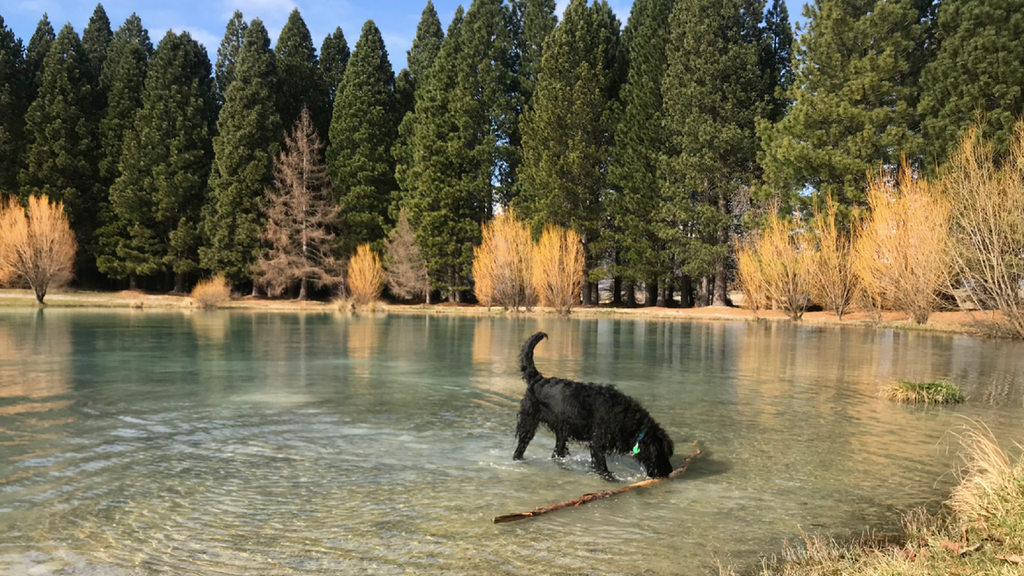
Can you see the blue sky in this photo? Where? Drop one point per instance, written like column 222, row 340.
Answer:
column 205, row 20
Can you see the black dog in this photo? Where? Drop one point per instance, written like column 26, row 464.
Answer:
column 601, row 416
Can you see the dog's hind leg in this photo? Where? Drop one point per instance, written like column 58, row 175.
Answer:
column 526, row 426
column 600, row 464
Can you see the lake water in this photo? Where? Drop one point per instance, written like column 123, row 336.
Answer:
column 247, row 443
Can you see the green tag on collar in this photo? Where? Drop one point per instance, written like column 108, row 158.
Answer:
column 636, row 449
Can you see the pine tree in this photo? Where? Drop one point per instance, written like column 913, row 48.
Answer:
column 95, row 40
column 714, row 93
column 165, row 165
column 248, row 132
column 776, row 59
column 979, row 68
column 640, row 141
column 123, row 80
column 300, row 213
column 567, row 132
column 363, row 131
column 61, row 148
column 334, row 55
column 301, row 85
column 227, row 53
column 14, row 92
column 421, row 57
column 38, row 48
column 854, row 93
column 538, row 18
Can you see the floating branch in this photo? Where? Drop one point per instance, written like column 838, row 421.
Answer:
column 595, row 495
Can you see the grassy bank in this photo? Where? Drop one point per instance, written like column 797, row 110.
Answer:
column 979, row 531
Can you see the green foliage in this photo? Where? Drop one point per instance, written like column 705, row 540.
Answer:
column 334, row 55
column 979, row 68
column 854, row 93
column 248, row 135
column 567, row 132
column 938, row 392
column 14, row 92
column 639, row 143
column 165, row 165
column 38, row 48
column 62, row 142
column 538, row 20
column 227, row 53
column 301, row 85
column 123, row 80
column 96, row 39
column 363, row 131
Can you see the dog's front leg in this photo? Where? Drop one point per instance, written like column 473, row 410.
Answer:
column 600, row 465
column 561, row 451
column 526, row 426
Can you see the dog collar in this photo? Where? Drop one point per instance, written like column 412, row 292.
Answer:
column 639, row 437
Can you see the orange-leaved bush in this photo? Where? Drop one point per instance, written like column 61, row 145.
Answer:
column 503, row 264
column 37, row 246
column 365, row 276
column 558, row 268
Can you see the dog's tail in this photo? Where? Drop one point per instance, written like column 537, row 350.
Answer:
column 526, row 364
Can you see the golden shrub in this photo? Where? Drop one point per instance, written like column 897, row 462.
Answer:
column 773, row 266
column 831, row 276
column 901, row 254
column 558, row 268
column 212, row 292
column 365, row 276
column 503, row 266
column 37, row 246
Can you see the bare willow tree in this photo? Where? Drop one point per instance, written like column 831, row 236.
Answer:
column 404, row 268
column 773, row 267
column 558, row 268
column 901, row 254
column 503, row 264
column 833, row 281
column 37, row 246
column 365, row 276
column 988, row 228
column 300, row 215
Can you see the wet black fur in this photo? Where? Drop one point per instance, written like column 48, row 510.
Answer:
column 600, row 416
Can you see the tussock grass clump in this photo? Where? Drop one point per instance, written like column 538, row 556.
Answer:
column 938, row 392
column 212, row 292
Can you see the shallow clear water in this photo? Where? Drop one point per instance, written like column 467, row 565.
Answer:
column 245, row 443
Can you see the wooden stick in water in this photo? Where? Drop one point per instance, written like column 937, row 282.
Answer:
column 595, row 495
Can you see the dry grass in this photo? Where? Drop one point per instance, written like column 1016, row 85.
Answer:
column 37, row 246
column 502, row 264
column 980, row 531
column 365, row 276
column 988, row 228
column 831, row 277
column 938, row 392
column 773, row 267
column 558, row 266
column 901, row 254
column 211, row 293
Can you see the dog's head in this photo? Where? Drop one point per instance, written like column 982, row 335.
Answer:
column 655, row 450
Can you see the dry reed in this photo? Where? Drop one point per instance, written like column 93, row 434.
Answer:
column 901, row 254
column 212, row 292
column 558, row 268
column 502, row 264
column 365, row 276
column 37, row 246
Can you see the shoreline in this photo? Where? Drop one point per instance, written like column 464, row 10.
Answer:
column 948, row 322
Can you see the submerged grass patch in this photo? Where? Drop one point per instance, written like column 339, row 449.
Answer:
column 979, row 531
column 938, row 392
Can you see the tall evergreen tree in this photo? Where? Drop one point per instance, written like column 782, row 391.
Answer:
column 248, row 136
column 854, row 91
column 640, row 141
column 714, row 92
column 363, row 131
column 776, row 59
column 538, row 20
column 62, row 144
column 979, row 69
column 227, row 53
column 334, row 55
column 301, row 85
column 38, row 48
column 165, row 166
column 123, row 80
column 95, row 40
column 421, row 57
column 14, row 94
column 567, row 131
